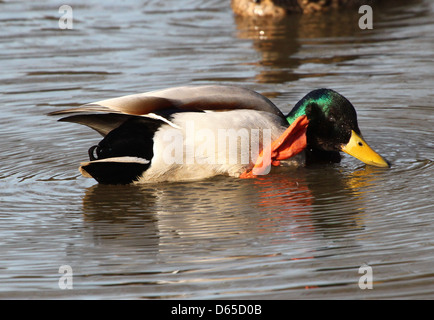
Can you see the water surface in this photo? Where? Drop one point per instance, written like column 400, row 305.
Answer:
column 294, row 234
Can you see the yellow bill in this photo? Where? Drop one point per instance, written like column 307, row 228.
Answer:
column 359, row 149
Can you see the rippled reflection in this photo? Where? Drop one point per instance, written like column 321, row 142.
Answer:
column 279, row 40
column 289, row 204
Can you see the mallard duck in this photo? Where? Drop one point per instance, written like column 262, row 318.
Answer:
column 195, row 132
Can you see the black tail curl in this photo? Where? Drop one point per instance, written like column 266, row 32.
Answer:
column 125, row 153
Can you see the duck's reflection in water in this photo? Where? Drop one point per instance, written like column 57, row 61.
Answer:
column 289, row 204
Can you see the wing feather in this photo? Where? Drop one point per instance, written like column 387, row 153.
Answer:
column 189, row 98
column 106, row 115
column 102, row 123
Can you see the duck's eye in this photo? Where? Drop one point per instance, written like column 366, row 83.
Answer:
column 256, row 1
column 360, row 144
column 332, row 119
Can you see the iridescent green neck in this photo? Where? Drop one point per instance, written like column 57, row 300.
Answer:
column 323, row 101
column 295, row 113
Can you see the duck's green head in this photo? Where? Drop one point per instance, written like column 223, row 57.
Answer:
column 333, row 126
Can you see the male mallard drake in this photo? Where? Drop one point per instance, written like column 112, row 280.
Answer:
column 186, row 133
